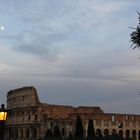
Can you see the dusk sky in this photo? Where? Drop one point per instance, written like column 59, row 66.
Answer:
column 74, row 52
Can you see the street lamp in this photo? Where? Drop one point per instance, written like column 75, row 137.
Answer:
column 3, row 115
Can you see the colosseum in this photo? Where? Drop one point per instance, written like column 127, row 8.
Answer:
column 29, row 119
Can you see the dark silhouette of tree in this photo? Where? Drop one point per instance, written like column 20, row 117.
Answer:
column 99, row 135
column 114, row 135
column 57, row 131
column 106, row 135
column 79, row 129
column 91, row 131
column 135, row 35
column 70, row 137
column 120, row 135
column 49, row 133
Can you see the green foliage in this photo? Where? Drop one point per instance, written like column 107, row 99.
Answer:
column 49, row 133
column 91, row 131
column 135, row 35
column 79, row 128
column 57, row 132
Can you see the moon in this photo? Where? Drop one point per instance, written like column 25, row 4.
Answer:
column 2, row 28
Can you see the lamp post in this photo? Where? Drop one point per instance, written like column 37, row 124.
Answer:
column 3, row 115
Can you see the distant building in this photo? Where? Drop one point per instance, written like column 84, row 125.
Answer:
column 29, row 119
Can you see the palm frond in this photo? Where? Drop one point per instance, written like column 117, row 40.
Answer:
column 135, row 35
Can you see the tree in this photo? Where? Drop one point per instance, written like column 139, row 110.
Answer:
column 79, row 129
column 135, row 35
column 91, row 131
column 49, row 133
column 57, row 131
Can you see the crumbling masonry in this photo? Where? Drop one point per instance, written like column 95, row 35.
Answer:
column 29, row 119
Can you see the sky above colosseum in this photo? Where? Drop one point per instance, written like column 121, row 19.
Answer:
column 74, row 52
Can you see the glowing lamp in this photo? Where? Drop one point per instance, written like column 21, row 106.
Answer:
column 3, row 113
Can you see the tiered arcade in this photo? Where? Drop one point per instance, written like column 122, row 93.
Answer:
column 28, row 118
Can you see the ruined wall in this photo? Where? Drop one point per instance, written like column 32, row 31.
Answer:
column 62, row 111
column 22, row 97
column 31, row 118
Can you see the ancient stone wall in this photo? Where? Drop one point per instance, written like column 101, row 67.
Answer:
column 31, row 118
column 22, row 97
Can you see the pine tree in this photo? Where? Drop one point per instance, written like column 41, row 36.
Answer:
column 91, row 131
column 79, row 129
column 49, row 133
column 57, row 131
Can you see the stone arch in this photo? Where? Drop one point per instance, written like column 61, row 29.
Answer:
column 27, row 133
column 49, row 133
column 127, row 134
column 113, row 132
column 134, row 134
column 98, row 132
column 63, row 131
column 34, row 133
column 121, row 133
column 106, row 132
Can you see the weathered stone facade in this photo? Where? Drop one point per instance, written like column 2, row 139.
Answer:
column 29, row 119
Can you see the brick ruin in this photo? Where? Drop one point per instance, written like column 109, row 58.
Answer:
column 29, row 119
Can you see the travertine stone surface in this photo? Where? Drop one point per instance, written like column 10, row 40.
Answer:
column 29, row 119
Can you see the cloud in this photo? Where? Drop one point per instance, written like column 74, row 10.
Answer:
column 4, row 67
column 56, row 16
column 38, row 44
column 87, row 40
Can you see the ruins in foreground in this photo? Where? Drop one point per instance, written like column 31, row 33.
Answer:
column 28, row 118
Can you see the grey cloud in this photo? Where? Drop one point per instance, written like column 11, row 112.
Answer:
column 64, row 16
column 68, row 14
column 38, row 44
column 37, row 11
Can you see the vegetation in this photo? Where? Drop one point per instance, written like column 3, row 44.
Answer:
column 91, row 131
column 135, row 35
column 49, row 133
column 57, row 131
column 55, row 134
column 79, row 129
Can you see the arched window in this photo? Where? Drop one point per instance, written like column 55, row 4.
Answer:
column 127, row 133
column 121, row 133
column 106, row 132
column 63, row 131
column 114, row 131
column 98, row 132
column 134, row 133
column 49, row 133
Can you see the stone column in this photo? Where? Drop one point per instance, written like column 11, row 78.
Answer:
column 67, row 130
column 19, row 133
column 24, row 133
